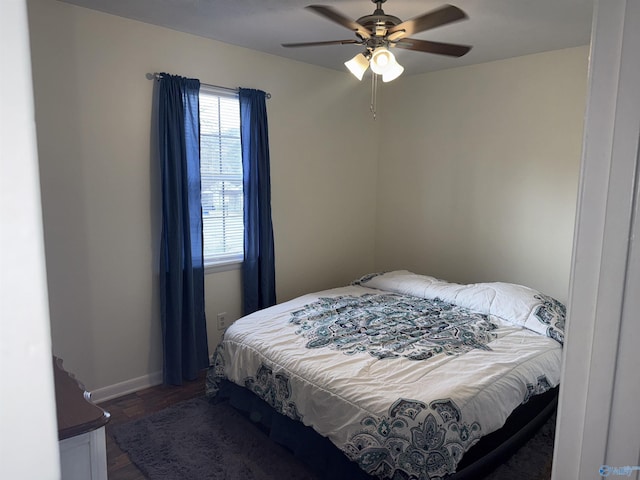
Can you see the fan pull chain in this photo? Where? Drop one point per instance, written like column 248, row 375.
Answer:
column 374, row 94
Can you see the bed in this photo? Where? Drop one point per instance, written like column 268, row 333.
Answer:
column 403, row 373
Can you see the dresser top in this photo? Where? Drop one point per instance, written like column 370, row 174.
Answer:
column 77, row 414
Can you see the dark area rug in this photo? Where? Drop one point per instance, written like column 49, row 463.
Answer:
column 198, row 440
column 533, row 460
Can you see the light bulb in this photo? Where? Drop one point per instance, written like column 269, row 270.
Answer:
column 381, row 60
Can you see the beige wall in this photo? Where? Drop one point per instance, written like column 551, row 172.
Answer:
column 479, row 168
column 473, row 179
column 100, row 190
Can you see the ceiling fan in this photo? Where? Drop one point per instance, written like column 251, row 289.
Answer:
column 378, row 32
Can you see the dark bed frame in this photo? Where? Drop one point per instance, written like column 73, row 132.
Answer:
column 330, row 463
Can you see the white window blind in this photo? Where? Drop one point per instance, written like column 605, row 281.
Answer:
column 221, row 176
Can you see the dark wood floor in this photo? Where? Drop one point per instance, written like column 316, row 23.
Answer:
column 136, row 405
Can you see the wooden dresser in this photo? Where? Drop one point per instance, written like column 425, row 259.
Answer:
column 81, row 423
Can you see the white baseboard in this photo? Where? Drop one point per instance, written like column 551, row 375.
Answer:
column 128, row 386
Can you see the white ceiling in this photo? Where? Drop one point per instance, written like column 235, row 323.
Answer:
column 496, row 29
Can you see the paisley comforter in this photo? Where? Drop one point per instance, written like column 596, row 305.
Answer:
column 402, row 372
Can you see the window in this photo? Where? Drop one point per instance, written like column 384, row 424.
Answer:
column 221, row 177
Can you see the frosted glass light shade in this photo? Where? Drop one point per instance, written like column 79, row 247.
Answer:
column 392, row 72
column 358, row 65
column 381, row 60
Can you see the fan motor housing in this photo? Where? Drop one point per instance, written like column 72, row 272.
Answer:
column 379, row 21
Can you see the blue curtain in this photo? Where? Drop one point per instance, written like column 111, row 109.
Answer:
column 184, row 334
column 258, row 267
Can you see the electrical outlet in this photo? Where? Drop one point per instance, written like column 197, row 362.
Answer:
column 222, row 320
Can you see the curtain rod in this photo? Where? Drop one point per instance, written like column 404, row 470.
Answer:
column 157, row 76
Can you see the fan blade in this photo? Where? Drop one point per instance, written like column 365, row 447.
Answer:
column 317, row 44
column 340, row 19
column 450, row 49
column 433, row 19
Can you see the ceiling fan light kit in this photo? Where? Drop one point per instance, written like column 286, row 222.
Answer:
column 379, row 32
column 384, row 63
